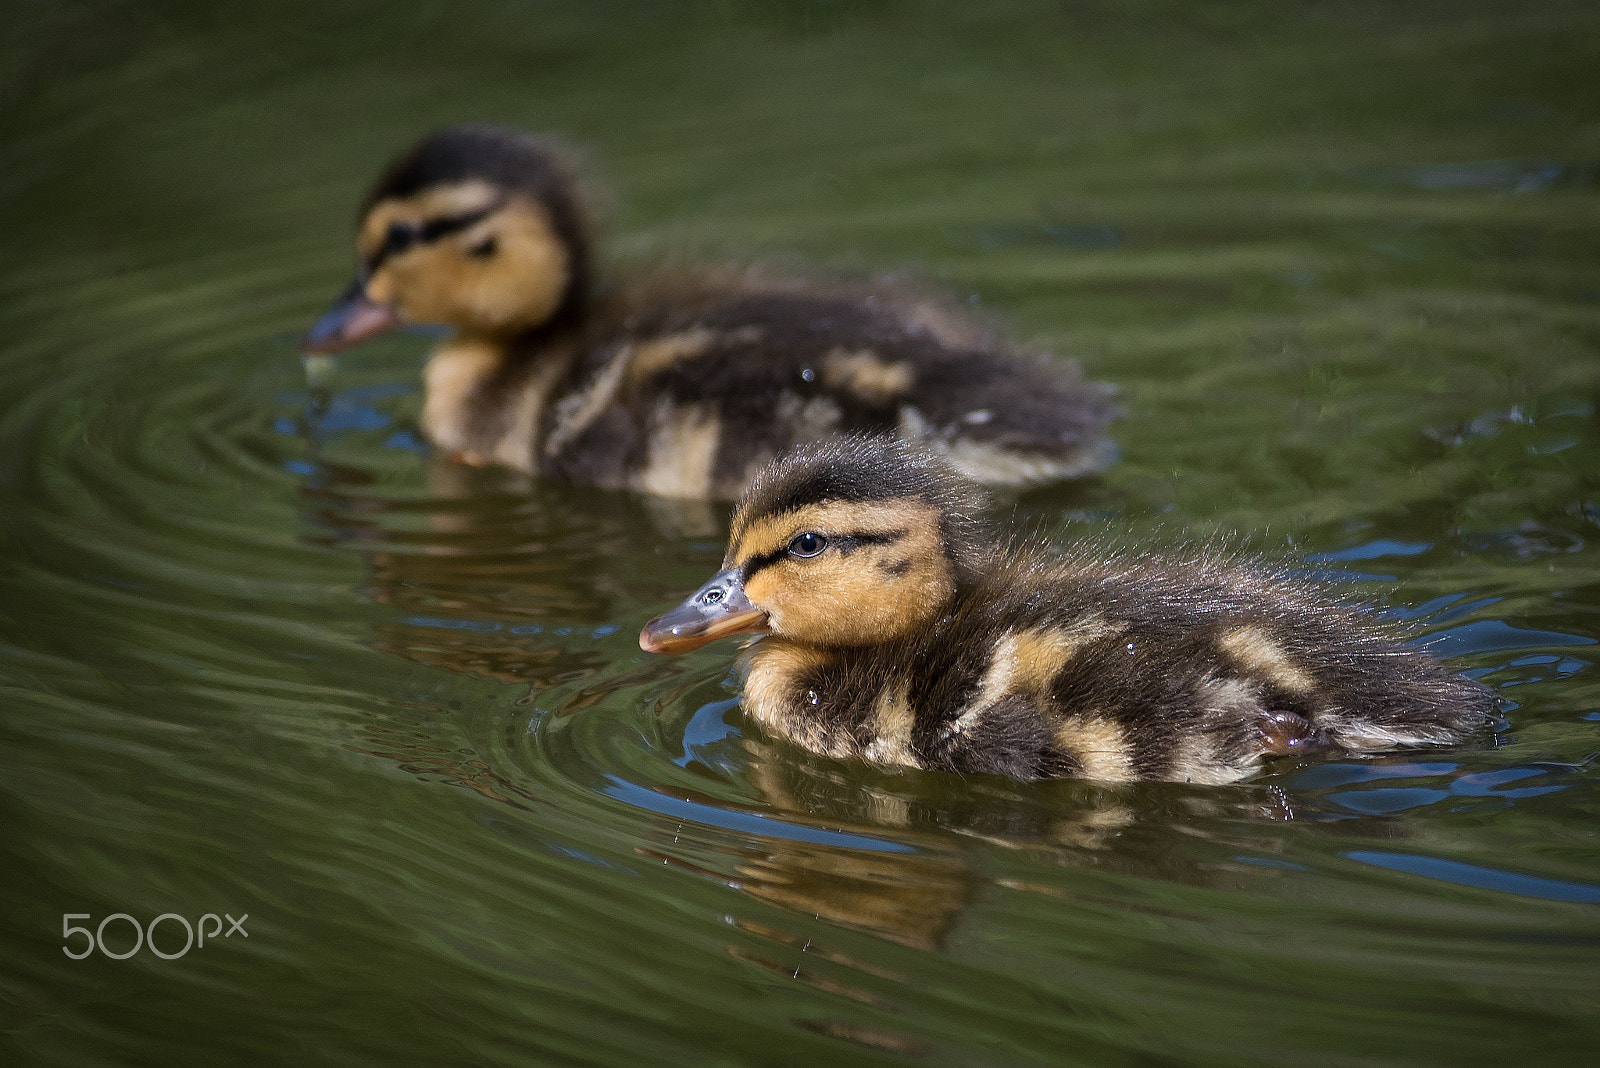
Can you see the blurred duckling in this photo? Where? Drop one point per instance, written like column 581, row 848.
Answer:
column 681, row 387
column 898, row 630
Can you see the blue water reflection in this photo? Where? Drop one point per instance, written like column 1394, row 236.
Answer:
column 1389, row 800
column 707, row 729
column 1372, row 550
column 1489, row 635
column 1453, row 871
column 1441, row 609
column 1326, row 775
column 1561, row 667
column 745, row 822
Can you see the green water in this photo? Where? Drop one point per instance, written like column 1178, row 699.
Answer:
column 261, row 655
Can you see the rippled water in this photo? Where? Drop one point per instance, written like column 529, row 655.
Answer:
column 261, row 654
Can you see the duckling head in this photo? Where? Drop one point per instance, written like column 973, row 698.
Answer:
column 848, row 542
column 476, row 228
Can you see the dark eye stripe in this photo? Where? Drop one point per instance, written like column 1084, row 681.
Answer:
column 434, row 229
column 849, row 543
column 402, row 236
column 845, row 543
column 763, row 561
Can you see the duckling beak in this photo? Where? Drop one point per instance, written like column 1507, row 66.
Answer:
column 354, row 317
column 715, row 610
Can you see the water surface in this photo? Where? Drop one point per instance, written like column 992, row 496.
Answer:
column 261, row 653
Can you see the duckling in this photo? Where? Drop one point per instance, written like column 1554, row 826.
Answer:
column 899, row 629
column 680, row 387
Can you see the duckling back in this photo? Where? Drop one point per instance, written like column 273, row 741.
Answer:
column 1131, row 667
column 692, row 401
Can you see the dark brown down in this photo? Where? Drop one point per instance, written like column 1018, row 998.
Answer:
column 897, row 631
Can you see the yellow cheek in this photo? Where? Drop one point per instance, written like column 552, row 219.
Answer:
column 417, row 283
column 846, row 600
column 381, row 288
column 523, row 283
column 518, row 287
column 763, row 591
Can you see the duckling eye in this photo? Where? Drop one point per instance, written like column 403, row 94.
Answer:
column 485, row 248
column 808, row 544
column 400, row 237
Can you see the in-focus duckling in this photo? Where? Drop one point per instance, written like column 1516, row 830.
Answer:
column 685, row 387
column 898, row 630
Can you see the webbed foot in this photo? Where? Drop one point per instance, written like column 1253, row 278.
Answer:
column 1290, row 734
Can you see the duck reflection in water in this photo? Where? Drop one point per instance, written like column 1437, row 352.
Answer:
column 489, row 571
column 916, row 886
